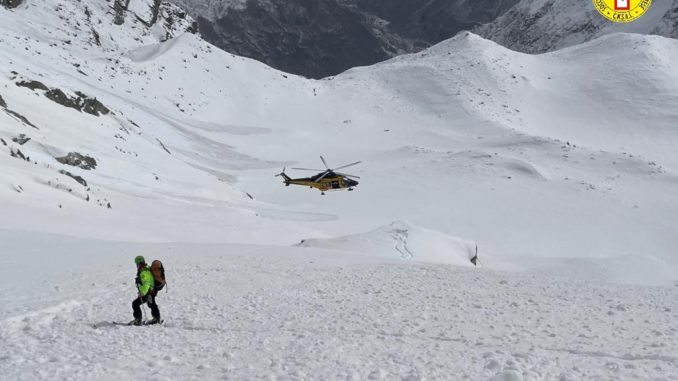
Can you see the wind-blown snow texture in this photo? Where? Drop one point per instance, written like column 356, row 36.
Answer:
column 563, row 174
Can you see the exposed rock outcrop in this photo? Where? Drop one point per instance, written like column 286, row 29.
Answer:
column 155, row 11
column 21, row 118
column 78, row 160
column 19, row 155
column 81, row 102
column 11, row 3
column 92, row 105
column 119, row 9
column 58, row 96
column 79, row 179
column 21, row 139
column 15, row 114
column 33, row 85
column 173, row 19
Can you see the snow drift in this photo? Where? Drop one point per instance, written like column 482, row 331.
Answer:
column 401, row 240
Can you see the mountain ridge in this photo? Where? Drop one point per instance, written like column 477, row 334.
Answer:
column 322, row 38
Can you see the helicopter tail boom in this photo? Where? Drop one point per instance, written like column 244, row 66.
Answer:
column 284, row 176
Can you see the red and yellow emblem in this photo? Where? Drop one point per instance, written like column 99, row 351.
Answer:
column 622, row 10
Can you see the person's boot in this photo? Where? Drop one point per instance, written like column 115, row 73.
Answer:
column 153, row 321
column 135, row 322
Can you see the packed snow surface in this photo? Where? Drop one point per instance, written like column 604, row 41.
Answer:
column 270, row 312
column 560, row 167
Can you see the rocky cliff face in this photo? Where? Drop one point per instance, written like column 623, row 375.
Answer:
column 172, row 19
column 315, row 38
column 537, row 26
column 324, row 37
column 209, row 9
column 435, row 20
column 669, row 23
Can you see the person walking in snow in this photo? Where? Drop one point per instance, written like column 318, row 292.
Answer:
column 146, row 293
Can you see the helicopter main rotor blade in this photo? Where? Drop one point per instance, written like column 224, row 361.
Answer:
column 324, row 163
column 347, row 175
column 349, row 165
column 309, row 169
column 323, row 176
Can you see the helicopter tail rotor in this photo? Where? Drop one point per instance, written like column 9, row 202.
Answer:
column 284, row 175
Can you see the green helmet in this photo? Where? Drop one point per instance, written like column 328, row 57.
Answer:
column 139, row 260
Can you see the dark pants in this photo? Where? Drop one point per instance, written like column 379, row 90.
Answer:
column 148, row 299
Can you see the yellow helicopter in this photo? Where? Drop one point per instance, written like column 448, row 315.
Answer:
column 327, row 179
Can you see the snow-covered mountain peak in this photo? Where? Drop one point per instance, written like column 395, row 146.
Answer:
column 485, row 77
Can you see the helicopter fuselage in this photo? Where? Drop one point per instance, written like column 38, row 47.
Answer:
column 331, row 181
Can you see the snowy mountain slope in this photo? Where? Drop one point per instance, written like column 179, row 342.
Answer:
column 183, row 141
column 469, row 150
column 139, row 146
column 537, row 26
column 264, row 312
column 537, row 94
column 464, row 147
